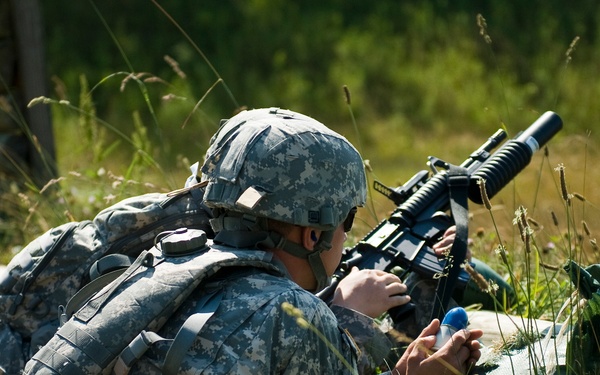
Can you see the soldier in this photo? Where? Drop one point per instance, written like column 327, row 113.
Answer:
column 283, row 188
column 283, row 182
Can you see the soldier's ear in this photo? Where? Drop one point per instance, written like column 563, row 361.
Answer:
column 310, row 236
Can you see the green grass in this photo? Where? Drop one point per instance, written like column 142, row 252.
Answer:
column 103, row 159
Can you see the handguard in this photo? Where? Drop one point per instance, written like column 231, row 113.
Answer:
column 422, row 214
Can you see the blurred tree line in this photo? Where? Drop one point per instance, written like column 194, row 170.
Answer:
column 429, row 65
column 423, row 76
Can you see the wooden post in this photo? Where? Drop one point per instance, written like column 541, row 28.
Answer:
column 31, row 67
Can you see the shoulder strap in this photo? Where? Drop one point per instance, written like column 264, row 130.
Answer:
column 180, row 344
column 109, row 263
column 458, row 183
column 85, row 293
column 98, row 300
column 104, row 271
column 135, row 350
column 189, row 330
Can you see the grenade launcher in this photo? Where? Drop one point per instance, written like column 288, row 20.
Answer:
column 421, row 217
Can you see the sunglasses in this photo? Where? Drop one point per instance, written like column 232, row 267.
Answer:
column 349, row 219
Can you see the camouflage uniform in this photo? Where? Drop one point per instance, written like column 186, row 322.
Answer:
column 262, row 166
column 284, row 166
column 12, row 357
column 251, row 333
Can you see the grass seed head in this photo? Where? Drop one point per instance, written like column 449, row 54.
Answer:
column 484, row 196
column 347, row 95
column 483, row 29
column 563, row 184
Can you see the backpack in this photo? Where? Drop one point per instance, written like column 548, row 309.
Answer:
column 51, row 269
column 118, row 324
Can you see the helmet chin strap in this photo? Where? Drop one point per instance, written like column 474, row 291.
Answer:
column 314, row 257
column 316, row 263
column 242, row 232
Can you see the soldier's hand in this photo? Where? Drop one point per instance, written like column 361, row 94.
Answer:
column 458, row 355
column 442, row 247
column 371, row 292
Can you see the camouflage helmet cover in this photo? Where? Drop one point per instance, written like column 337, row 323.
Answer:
column 285, row 166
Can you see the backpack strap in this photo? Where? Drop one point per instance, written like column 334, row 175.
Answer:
column 188, row 332
column 50, row 357
column 84, row 294
column 109, row 263
column 104, row 271
column 180, row 345
column 46, row 241
column 135, row 350
column 96, row 302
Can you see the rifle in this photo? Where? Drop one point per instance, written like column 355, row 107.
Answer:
column 406, row 238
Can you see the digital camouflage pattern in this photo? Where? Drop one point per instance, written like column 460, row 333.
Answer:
column 284, row 166
column 13, row 358
column 56, row 266
column 374, row 346
column 51, row 269
column 250, row 332
column 142, row 298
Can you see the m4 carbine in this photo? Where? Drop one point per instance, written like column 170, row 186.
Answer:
column 406, row 238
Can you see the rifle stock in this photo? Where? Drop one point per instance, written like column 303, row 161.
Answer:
column 406, row 238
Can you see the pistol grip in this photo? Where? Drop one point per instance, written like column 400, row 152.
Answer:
column 400, row 313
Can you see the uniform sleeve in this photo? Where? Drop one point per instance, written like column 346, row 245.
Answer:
column 373, row 344
column 278, row 328
column 322, row 346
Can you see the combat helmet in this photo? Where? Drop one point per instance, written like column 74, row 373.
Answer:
column 278, row 164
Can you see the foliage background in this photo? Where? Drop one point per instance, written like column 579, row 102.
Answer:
column 424, row 80
column 417, row 69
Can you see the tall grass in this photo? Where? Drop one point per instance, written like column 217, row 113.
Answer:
column 547, row 216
